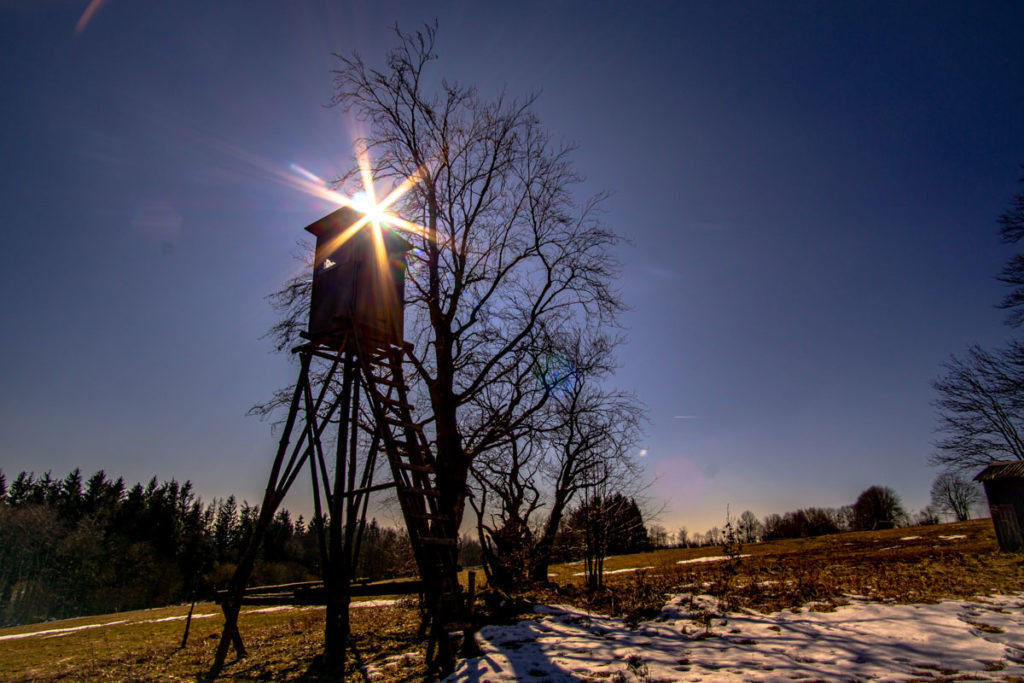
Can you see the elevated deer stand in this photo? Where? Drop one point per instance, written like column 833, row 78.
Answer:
column 355, row 327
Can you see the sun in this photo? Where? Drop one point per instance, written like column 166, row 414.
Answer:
column 375, row 214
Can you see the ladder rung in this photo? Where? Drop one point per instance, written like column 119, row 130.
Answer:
column 390, row 382
column 412, row 467
column 395, row 402
column 368, row 489
column 406, row 446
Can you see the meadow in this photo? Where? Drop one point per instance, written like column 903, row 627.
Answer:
column 922, row 565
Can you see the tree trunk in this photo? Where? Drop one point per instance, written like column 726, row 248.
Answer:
column 542, row 551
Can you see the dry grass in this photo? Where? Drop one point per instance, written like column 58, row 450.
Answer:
column 819, row 573
column 283, row 645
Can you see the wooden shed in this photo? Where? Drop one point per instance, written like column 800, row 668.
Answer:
column 352, row 286
column 1004, row 488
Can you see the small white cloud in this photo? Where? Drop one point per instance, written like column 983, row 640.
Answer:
column 684, row 417
column 642, row 453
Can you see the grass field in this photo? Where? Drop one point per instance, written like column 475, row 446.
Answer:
column 916, row 565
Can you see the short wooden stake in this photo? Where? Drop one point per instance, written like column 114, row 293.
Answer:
column 188, row 622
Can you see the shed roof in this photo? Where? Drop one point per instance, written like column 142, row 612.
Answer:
column 340, row 219
column 1007, row 469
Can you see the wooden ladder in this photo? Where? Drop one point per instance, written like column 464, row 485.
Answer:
column 432, row 532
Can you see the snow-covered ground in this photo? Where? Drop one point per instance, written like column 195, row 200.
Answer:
column 693, row 641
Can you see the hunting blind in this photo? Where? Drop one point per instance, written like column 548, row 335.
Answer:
column 356, row 401
column 351, row 284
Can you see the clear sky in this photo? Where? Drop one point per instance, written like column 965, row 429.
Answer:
column 810, row 189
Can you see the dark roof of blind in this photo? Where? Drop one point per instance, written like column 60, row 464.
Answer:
column 1010, row 469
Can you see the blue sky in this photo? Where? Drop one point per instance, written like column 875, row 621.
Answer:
column 810, row 190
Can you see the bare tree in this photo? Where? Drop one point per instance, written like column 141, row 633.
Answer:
column 593, row 441
column 980, row 404
column 926, row 517
column 586, row 432
column 749, row 527
column 877, row 507
column 657, row 535
column 508, row 476
column 603, row 524
column 1012, row 230
column 954, row 494
column 507, row 259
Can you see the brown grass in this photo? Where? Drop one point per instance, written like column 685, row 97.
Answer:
column 819, row 573
column 283, row 646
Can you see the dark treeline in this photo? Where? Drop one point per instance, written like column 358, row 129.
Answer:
column 615, row 523
column 70, row 547
column 807, row 522
column 877, row 507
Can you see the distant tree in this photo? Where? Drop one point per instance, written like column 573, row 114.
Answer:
column 225, row 529
column 954, row 494
column 926, row 517
column 657, row 535
column 844, row 518
column 682, row 537
column 772, row 527
column 749, row 527
column 469, row 551
column 980, row 408
column 605, row 525
column 278, row 537
column 69, row 496
column 806, row 522
column 385, row 554
column 877, row 507
column 820, row 521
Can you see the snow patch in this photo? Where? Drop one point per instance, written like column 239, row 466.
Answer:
column 180, row 617
column 266, row 610
column 373, row 603
column 694, row 640
column 617, row 571
column 713, row 558
column 61, row 631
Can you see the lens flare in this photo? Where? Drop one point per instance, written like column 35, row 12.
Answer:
column 374, row 213
column 556, row 373
column 87, row 15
